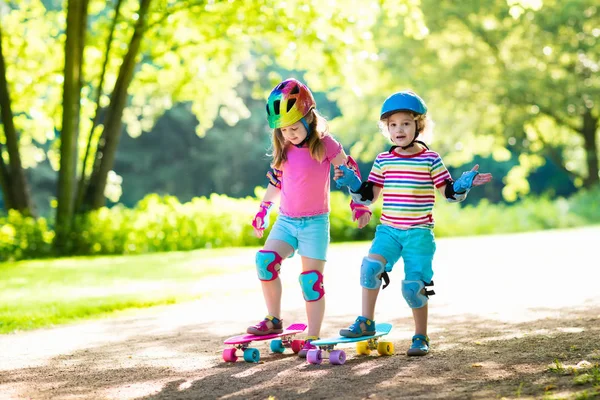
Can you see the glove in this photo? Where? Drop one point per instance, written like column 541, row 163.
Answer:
column 265, row 209
column 465, row 182
column 358, row 210
column 349, row 179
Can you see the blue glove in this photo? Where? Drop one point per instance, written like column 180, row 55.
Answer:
column 465, row 182
column 349, row 179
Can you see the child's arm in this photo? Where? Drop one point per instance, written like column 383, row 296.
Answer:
column 361, row 192
column 360, row 211
column 456, row 191
column 261, row 219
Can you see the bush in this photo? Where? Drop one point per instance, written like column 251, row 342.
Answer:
column 160, row 224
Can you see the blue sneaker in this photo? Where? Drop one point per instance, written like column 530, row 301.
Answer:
column 419, row 346
column 361, row 327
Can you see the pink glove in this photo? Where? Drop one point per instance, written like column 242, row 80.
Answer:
column 358, row 210
column 261, row 219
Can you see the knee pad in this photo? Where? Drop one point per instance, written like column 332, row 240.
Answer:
column 414, row 293
column 268, row 264
column 370, row 272
column 311, row 283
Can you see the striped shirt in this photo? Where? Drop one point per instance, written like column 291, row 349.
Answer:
column 409, row 183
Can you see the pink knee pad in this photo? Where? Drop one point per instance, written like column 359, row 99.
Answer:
column 311, row 283
column 268, row 264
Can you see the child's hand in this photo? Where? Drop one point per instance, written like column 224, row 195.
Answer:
column 258, row 222
column 363, row 220
column 337, row 173
column 261, row 219
column 360, row 213
column 480, row 179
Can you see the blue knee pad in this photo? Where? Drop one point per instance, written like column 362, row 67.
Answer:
column 370, row 272
column 411, row 291
column 311, row 283
column 268, row 264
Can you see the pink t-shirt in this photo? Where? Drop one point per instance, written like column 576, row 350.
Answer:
column 305, row 181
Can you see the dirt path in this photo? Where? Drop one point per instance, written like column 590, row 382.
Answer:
column 501, row 316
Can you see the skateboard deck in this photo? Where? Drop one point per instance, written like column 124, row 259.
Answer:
column 364, row 346
column 281, row 341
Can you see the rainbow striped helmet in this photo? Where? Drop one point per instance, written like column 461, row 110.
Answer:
column 288, row 103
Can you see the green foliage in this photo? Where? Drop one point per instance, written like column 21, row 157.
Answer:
column 24, row 237
column 162, row 223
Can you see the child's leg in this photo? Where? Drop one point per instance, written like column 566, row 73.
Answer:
column 420, row 317
column 272, row 289
column 312, row 273
column 268, row 264
column 369, row 296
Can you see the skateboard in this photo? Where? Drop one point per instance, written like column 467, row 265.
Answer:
column 364, row 345
column 282, row 341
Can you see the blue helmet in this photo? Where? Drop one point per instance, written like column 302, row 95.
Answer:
column 403, row 101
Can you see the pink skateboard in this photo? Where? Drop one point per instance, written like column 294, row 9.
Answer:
column 282, row 340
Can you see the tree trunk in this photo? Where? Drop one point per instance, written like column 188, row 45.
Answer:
column 67, row 175
column 83, row 180
column 107, row 146
column 12, row 177
column 589, row 130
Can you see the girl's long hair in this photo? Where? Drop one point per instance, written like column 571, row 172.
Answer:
column 318, row 129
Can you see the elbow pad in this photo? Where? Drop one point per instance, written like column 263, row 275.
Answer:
column 274, row 176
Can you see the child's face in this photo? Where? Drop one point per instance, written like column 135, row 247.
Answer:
column 402, row 128
column 295, row 133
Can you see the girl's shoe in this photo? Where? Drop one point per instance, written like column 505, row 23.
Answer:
column 419, row 346
column 307, row 346
column 267, row 326
column 361, row 327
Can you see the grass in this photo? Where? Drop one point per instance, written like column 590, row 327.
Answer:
column 41, row 293
column 583, row 374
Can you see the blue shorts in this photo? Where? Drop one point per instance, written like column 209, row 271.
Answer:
column 308, row 235
column 416, row 246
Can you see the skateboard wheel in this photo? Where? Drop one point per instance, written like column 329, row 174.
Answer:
column 297, row 345
column 337, row 357
column 385, row 348
column 229, row 355
column 277, row 346
column 251, row 355
column 363, row 348
column 314, row 356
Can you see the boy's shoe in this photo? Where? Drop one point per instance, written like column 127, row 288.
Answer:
column 267, row 326
column 419, row 346
column 361, row 327
column 307, row 346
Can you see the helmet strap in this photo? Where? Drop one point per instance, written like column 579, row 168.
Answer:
column 307, row 127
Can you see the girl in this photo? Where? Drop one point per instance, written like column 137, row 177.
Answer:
column 303, row 151
column 407, row 176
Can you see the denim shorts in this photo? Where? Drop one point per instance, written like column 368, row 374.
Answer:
column 308, row 235
column 416, row 246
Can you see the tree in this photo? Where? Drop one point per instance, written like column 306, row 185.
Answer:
column 12, row 177
column 67, row 176
column 500, row 77
column 156, row 53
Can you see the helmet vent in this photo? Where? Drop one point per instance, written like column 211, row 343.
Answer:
column 268, row 112
column 276, row 106
column 281, row 86
column 290, row 104
column 295, row 90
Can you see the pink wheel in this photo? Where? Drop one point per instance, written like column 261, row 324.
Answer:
column 314, row 356
column 229, row 355
column 337, row 357
column 297, row 345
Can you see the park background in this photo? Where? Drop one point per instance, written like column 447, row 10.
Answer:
column 134, row 143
